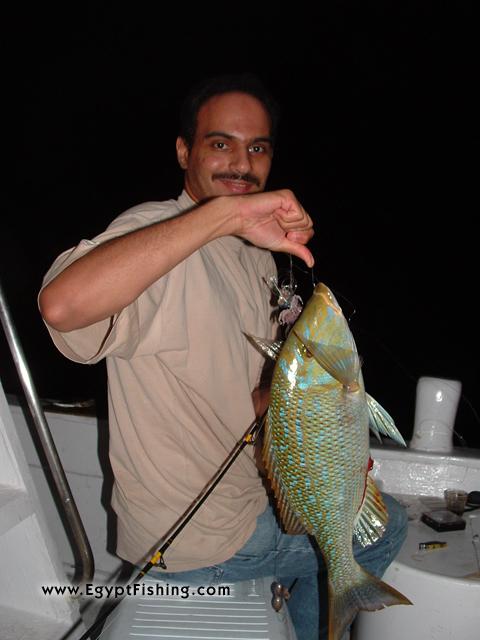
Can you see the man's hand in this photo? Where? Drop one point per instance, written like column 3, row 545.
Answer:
column 275, row 220
column 260, row 399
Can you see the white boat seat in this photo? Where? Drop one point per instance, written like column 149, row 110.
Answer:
column 244, row 614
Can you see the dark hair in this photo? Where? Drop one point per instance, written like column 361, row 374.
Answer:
column 217, row 85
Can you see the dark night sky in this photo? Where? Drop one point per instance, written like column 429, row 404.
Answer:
column 378, row 139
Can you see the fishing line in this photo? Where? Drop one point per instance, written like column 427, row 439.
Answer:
column 414, row 378
column 292, row 285
column 472, row 408
column 339, row 294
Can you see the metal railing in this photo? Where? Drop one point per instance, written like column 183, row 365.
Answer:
column 84, row 551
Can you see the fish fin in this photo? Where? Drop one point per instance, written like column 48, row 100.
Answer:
column 366, row 593
column 372, row 517
column 290, row 522
column 381, row 421
column 374, row 430
column 341, row 364
column 270, row 348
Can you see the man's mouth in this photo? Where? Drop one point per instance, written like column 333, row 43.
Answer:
column 238, row 182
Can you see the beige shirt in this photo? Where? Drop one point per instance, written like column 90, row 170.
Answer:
column 181, row 373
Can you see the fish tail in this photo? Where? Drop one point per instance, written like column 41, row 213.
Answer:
column 367, row 593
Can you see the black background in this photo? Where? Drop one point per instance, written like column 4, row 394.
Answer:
column 378, row 140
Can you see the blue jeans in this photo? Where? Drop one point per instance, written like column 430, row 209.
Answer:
column 269, row 552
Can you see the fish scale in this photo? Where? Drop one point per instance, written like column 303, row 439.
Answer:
column 316, row 451
column 302, row 456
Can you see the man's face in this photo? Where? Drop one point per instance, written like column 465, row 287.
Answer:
column 232, row 150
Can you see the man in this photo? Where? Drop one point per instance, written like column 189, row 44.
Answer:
column 167, row 294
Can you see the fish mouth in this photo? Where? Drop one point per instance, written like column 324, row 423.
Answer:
column 324, row 292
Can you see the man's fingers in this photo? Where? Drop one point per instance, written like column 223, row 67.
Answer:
column 302, row 237
column 295, row 220
column 276, row 221
column 298, row 228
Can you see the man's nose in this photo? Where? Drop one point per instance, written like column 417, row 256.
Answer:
column 240, row 160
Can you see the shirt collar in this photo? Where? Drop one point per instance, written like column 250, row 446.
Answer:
column 185, row 201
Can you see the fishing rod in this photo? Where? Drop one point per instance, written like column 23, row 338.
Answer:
column 249, row 437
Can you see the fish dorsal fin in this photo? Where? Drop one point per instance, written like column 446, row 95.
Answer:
column 289, row 520
column 372, row 517
column 270, row 348
column 382, row 422
column 341, row 364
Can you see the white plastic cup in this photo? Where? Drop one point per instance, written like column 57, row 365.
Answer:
column 435, row 411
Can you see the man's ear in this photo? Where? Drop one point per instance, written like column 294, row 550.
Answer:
column 182, row 152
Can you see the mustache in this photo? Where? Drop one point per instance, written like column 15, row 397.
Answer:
column 241, row 177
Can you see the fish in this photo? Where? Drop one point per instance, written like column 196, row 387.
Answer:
column 316, row 452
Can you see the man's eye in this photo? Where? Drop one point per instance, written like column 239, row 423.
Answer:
column 257, row 148
column 219, row 145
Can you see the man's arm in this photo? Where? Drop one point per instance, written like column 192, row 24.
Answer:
column 107, row 279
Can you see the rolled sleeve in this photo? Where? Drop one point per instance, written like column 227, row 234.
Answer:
column 117, row 335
